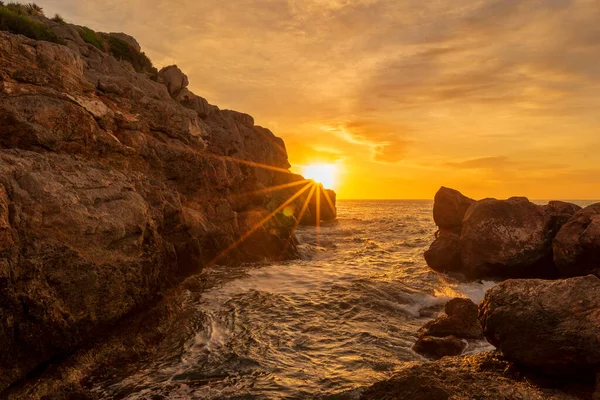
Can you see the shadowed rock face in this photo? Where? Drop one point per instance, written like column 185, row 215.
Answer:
column 111, row 190
column 449, row 208
column 499, row 238
column 577, row 244
column 552, row 326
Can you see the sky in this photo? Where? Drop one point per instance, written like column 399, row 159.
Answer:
column 493, row 98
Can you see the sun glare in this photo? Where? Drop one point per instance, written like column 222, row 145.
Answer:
column 323, row 173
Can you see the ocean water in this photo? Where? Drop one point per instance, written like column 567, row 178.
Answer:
column 343, row 316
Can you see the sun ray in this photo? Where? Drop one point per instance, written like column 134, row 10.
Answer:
column 318, row 212
column 259, row 224
column 268, row 189
column 251, row 163
column 329, row 200
column 300, row 215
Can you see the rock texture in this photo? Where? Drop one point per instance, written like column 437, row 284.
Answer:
column 577, row 244
column 481, row 376
column 506, row 238
column 114, row 186
column 501, row 238
column 444, row 253
column 552, row 326
column 442, row 336
column 449, row 208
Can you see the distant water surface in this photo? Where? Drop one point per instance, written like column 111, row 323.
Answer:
column 343, row 316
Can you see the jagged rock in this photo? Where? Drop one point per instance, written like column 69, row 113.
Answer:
column 577, row 244
column 173, row 78
column 437, row 347
column 460, row 320
column 552, row 326
column 480, row 376
column 110, row 190
column 189, row 100
column 444, row 253
column 507, row 238
column 449, row 208
column 321, row 206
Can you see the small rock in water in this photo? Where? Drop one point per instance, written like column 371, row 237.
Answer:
column 438, row 347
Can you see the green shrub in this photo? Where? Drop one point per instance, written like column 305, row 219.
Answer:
column 91, row 37
column 59, row 19
column 122, row 50
column 30, row 9
column 19, row 23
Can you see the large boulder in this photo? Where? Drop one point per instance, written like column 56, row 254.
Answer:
column 444, row 253
column 507, row 238
column 577, row 244
column 173, row 78
column 553, row 326
column 449, row 208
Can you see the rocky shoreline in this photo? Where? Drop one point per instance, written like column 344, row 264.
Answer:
column 116, row 183
column 546, row 331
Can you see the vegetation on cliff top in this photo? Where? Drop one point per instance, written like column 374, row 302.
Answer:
column 16, row 18
column 27, row 20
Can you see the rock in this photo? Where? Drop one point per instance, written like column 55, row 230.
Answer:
column 111, row 191
column 560, row 212
column 507, row 238
column 480, row 376
column 324, row 201
column 449, row 208
column 173, row 78
column 552, row 326
column 189, row 100
column 438, row 347
column 444, row 253
column 130, row 40
column 577, row 244
column 460, row 320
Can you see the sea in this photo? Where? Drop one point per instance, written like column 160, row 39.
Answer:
column 341, row 317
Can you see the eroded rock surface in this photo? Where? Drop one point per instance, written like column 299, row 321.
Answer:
column 577, row 244
column 552, row 326
column 114, row 186
column 506, row 238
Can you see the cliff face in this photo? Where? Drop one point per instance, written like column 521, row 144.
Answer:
column 114, row 185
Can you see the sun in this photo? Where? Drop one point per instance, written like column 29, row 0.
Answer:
column 326, row 174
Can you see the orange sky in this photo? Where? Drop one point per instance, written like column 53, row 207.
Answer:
column 494, row 98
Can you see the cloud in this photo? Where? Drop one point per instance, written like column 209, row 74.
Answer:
column 388, row 81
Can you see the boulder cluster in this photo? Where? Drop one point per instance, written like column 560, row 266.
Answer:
column 513, row 238
column 115, row 183
column 544, row 320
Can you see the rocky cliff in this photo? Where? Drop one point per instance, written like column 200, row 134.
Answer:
column 117, row 181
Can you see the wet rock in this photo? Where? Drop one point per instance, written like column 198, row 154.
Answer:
column 444, row 253
column 552, row 326
column 507, row 238
column 449, row 209
column 459, row 319
column 438, row 347
column 321, row 206
column 480, row 376
column 577, row 244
